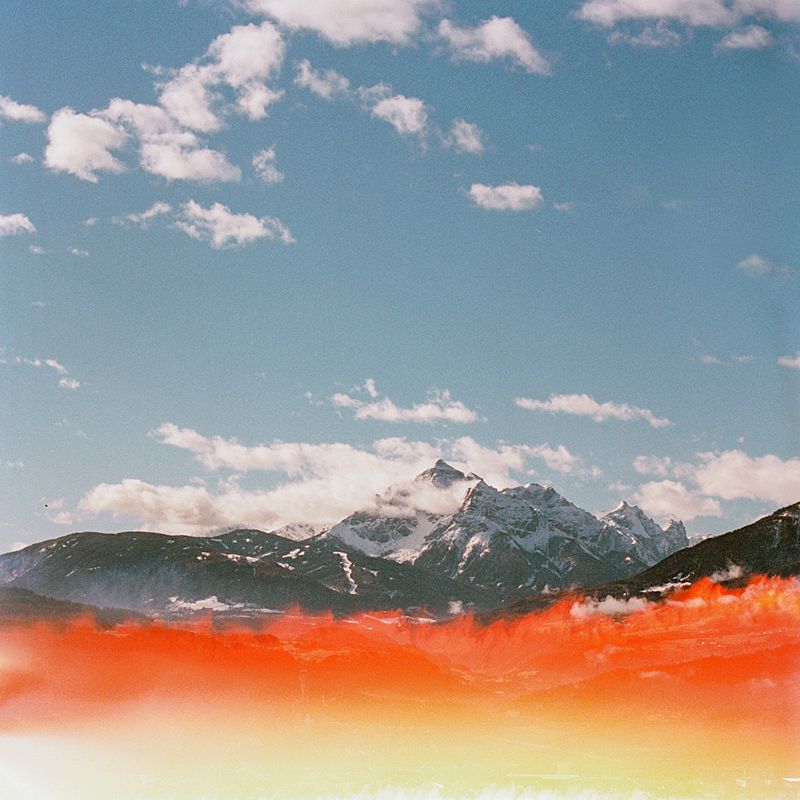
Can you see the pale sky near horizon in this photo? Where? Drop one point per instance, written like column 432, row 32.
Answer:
column 258, row 262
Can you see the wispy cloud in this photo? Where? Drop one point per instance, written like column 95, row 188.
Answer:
column 64, row 381
column 222, row 228
column 465, row 137
column 585, row 406
column 264, row 165
column 439, row 407
column 22, row 158
column 495, row 38
column 327, row 84
column 757, row 266
column 19, row 112
column 793, row 362
column 14, row 224
column 143, row 218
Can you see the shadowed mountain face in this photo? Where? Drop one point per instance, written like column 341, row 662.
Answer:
column 768, row 546
column 20, row 605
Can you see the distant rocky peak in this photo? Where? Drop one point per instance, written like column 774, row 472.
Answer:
column 442, row 474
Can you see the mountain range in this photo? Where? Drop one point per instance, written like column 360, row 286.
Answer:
column 444, row 542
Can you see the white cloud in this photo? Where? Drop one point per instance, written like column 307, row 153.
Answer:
column 90, row 222
column 78, row 252
column 69, row 383
column 327, row 84
column 14, row 224
column 733, row 475
column 672, row 499
column 38, row 303
column 715, row 476
column 407, row 115
column 609, row 606
column 565, row 208
column 439, row 407
column 19, row 112
column 36, row 250
column 243, row 59
column 142, row 219
column 348, row 22
column 757, row 266
column 497, row 37
column 506, row 197
column 793, row 362
column 222, row 228
column 22, row 158
column 325, row 482
column 584, row 405
column 164, row 148
column 607, row 13
column 81, row 145
column 465, row 137
column 753, row 37
column 264, row 165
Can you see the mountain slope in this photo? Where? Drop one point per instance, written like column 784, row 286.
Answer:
column 511, row 542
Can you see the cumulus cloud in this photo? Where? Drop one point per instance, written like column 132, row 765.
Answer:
column 407, row 115
column 586, row 406
column 753, row 37
column 81, row 145
column 243, row 59
column 757, row 266
column 326, row 84
column 36, row 250
column 264, row 165
column 732, row 475
column 22, row 158
column 496, row 38
column 164, row 148
column 14, row 224
column 793, row 362
column 465, row 137
column 506, row 197
column 694, row 489
column 348, row 22
column 439, row 407
column 19, row 112
column 78, row 252
column 323, row 482
column 222, row 228
column 143, row 218
column 673, row 499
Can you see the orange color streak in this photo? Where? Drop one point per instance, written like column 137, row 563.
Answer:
column 700, row 692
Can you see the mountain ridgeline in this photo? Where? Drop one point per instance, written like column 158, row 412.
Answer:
column 472, row 547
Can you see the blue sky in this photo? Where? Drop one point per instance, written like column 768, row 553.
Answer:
column 552, row 242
